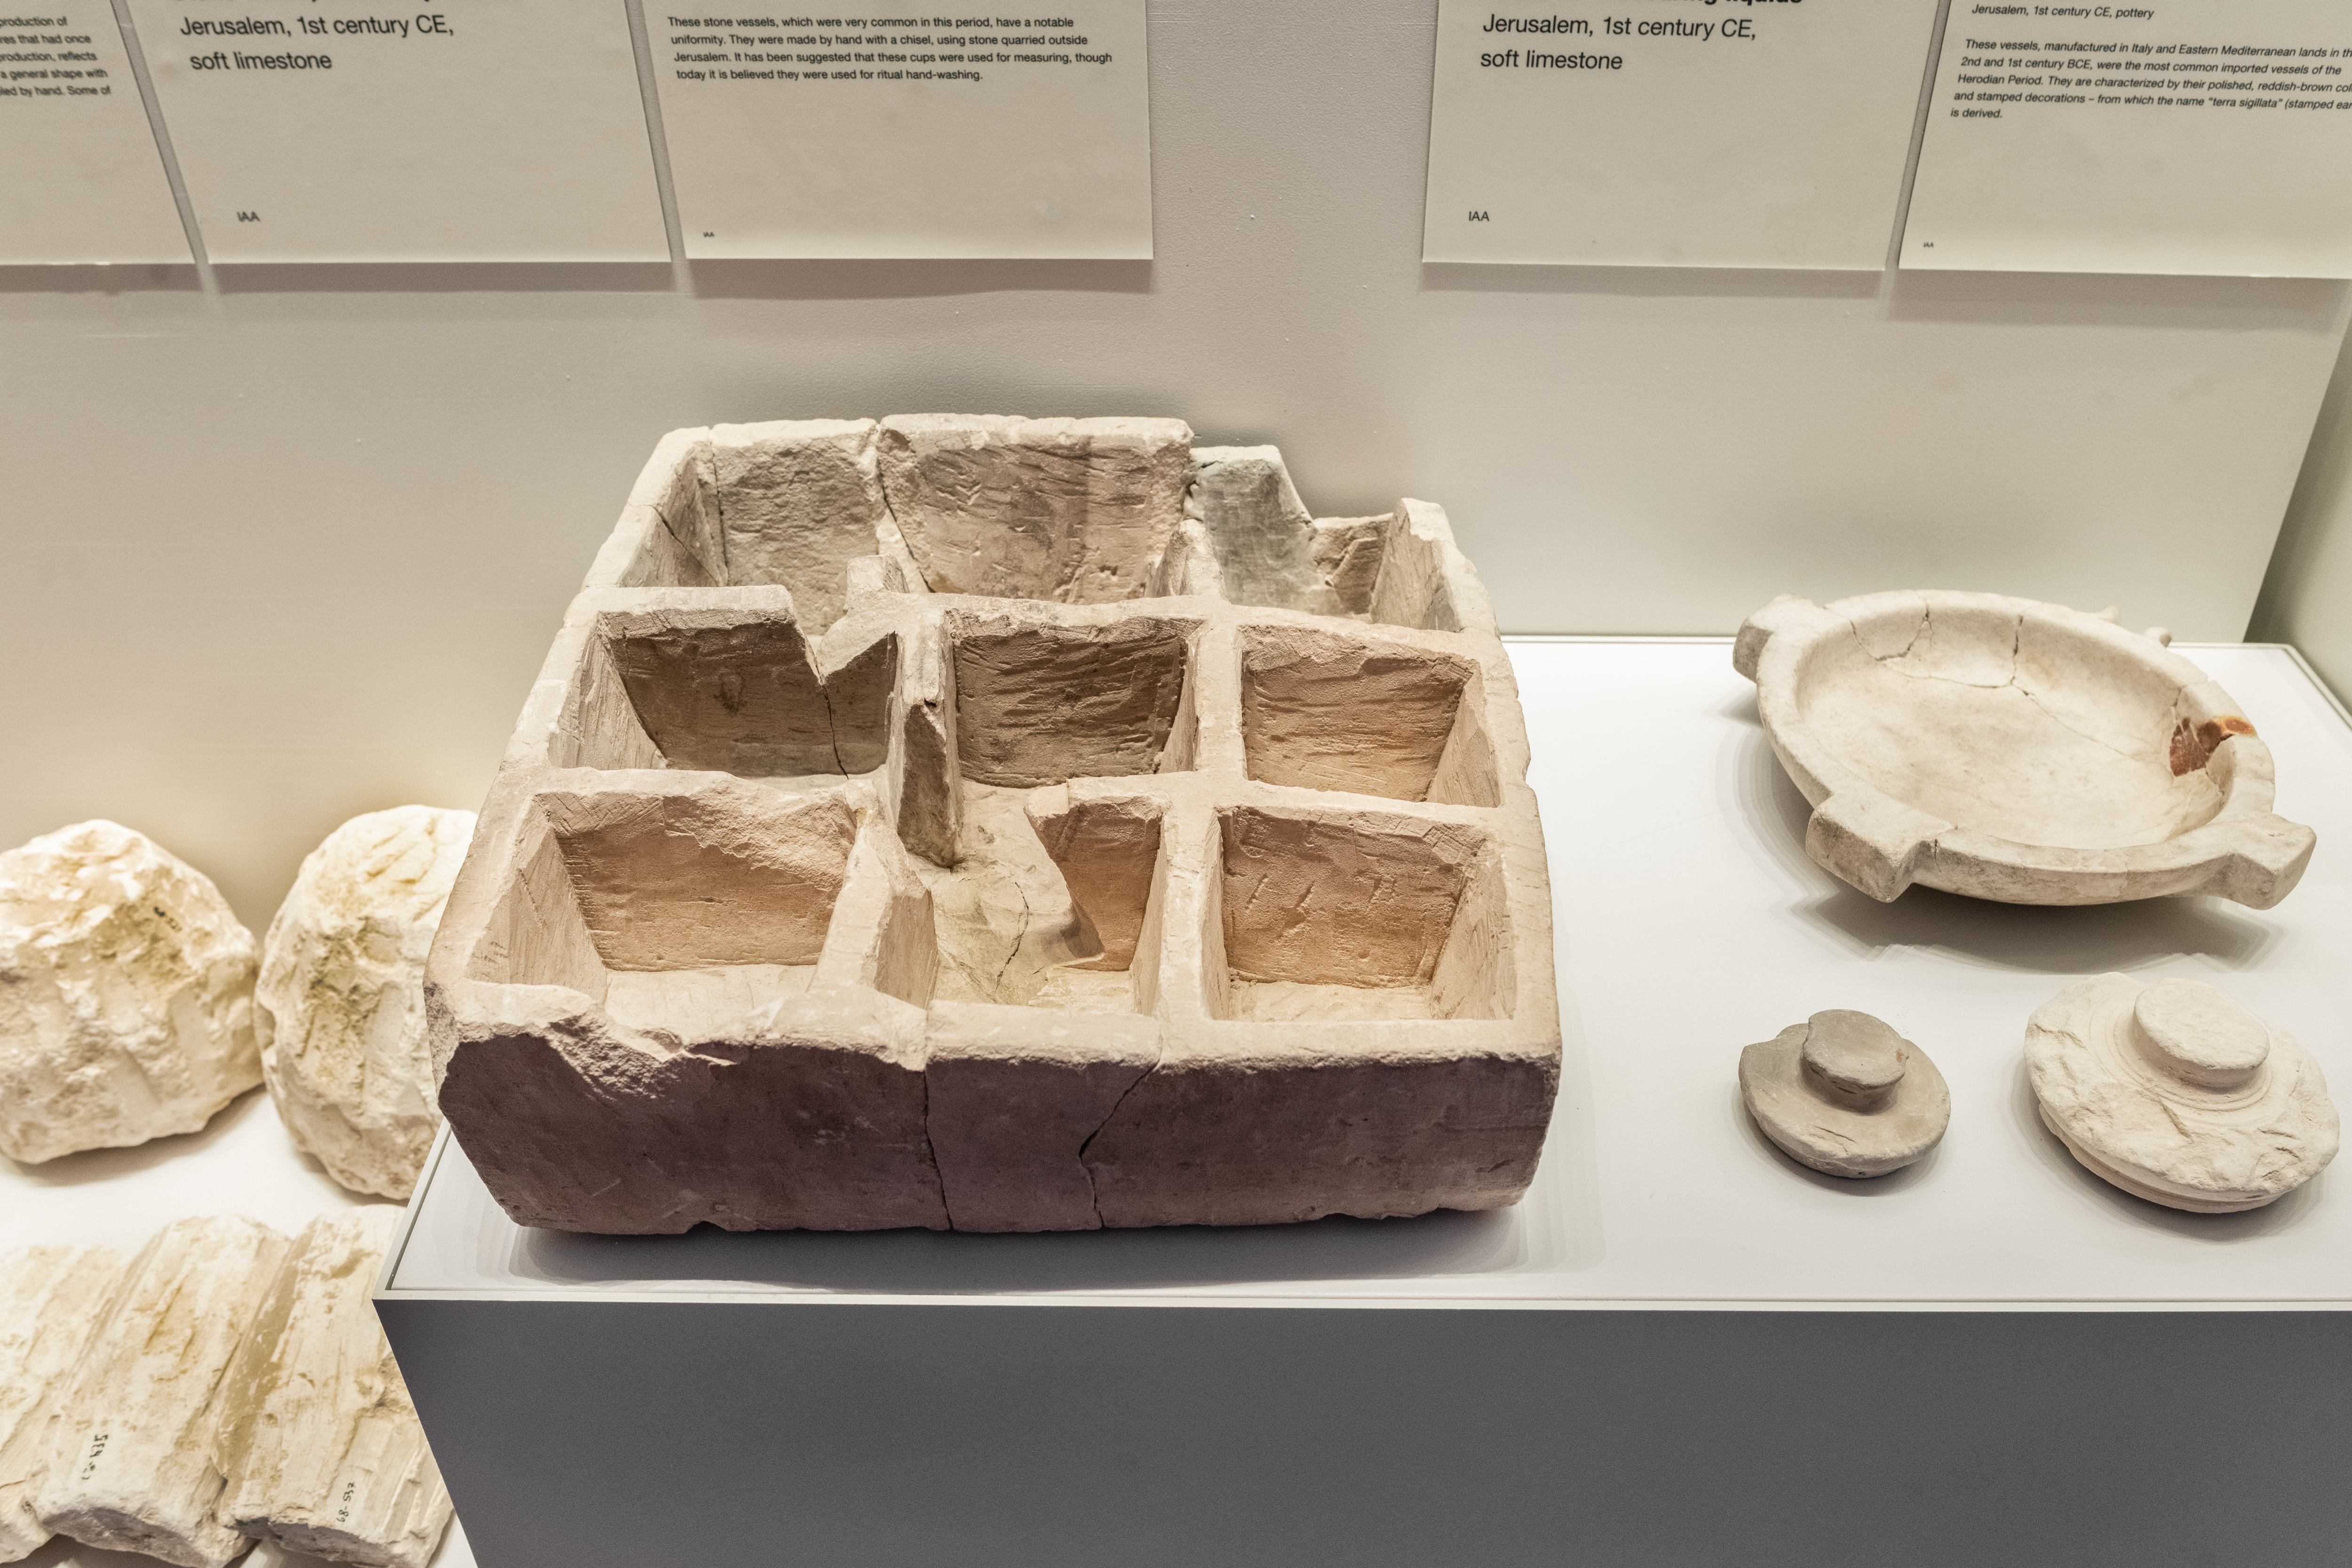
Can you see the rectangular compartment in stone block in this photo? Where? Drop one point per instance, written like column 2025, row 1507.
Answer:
column 789, row 503
column 1048, row 902
column 671, row 910
column 735, row 691
column 1076, row 511
column 1042, row 704
column 1332, row 710
column 1336, row 914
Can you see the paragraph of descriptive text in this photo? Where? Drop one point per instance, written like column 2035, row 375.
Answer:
column 51, row 57
column 872, row 48
column 2007, row 70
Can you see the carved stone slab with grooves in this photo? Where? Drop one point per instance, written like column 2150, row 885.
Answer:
column 51, row 1298
column 1004, row 825
column 132, row 1453
column 126, row 995
column 2014, row 751
column 341, row 1005
column 2176, row 1094
column 325, row 1456
column 1845, row 1094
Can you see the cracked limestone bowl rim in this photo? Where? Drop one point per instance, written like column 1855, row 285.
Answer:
column 2038, row 755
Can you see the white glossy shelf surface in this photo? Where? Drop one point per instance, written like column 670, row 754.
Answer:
column 1690, row 924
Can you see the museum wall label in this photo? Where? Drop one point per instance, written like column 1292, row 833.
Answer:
column 475, row 131
column 805, row 135
column 1654, row 133
column 2200, row 136
column 85, row 181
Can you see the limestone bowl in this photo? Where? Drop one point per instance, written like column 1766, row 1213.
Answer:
column 2014, row 751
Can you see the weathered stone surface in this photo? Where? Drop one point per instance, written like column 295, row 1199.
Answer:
column 340, row 1002
column 52, row 1298
column 2176, row 1094
column 1075, row 510
column 133, row 1453
column 324, row 1454
column 2014, row 751
column 1192, row 878
column 126, row 995
column 1846, row 1095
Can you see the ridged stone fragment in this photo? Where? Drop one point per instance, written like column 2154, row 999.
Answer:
column 325, row 1455
column 2176, row 1094
column 126, row 995
column 50, row 1298
column 342, row 997
column 131, row 1462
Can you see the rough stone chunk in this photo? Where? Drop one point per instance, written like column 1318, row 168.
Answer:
column 50, row 1298
column 325, row 1455
column 2176, row 1094
column 1076, row 510
column 1845, row 1094
column 126, row 995
column 342, row 1014
column 131, row 1463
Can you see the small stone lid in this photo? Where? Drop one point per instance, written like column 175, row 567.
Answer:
column 1845, row 1094
column 2175, row 1093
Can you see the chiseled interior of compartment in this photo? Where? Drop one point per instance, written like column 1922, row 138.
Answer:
column 1041, row 705
column 1328, row 710
column 1014, row 928
column 671, row 910
column 1269, row 551
column 1328, row 920
column 747, row 699
column 795, row 502
column 1076, row 511
column 2010, row 725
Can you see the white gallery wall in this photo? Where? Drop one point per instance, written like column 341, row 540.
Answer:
column 2307, row 598
column 288, row 544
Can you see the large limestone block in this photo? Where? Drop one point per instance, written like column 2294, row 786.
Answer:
column 126, row 995
column 325, row 1455
column 132, row 1455
column 51, row 1299
column 1171, row 861
column 1076, row 510
column 341, row 995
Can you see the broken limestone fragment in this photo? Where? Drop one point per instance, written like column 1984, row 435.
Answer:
column 340, row 1002
column 126, row 995
column 2176, row 1094
column 324, row 1455
column 1125, row 847
column 133, row 1453
column 1846, row 1095
column 2014, row 751
column 50, row 1300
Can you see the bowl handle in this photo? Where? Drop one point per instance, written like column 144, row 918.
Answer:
column 1872, row 841
column 2266, row 859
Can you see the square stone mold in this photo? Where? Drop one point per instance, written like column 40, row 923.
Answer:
column 1183, row 872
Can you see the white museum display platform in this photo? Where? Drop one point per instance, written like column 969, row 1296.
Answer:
column 1706, row 1346
column 242, row 1163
